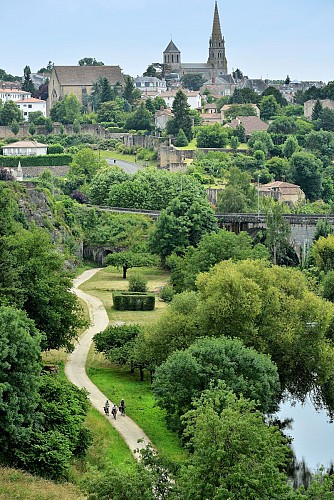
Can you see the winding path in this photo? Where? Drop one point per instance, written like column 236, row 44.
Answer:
column 76, row 373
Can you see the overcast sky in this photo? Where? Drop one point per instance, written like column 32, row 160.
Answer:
column 264, row 38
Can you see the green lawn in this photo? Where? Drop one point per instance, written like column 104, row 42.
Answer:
column 108, row 279
column 117, row 382
column 125, row 157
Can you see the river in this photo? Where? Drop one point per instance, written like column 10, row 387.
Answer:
column 313, row 435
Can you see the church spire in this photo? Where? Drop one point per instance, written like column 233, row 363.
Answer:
column 216, row 30
column 217, row 58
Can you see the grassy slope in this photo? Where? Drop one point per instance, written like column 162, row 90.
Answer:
column 15, row 484
column 117, row 382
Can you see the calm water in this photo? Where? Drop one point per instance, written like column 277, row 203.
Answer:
column 313, row 435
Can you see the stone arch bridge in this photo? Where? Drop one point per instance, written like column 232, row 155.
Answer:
column 302, row 225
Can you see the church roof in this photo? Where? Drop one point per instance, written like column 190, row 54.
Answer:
column 86, row 75
column 171, row 47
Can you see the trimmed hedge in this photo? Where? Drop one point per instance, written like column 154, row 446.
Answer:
column 36, row 161
column 133, row 301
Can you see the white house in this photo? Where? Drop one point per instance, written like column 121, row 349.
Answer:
column 194, row 98
column 25, row 148
column 31, row 105
column 13, row 95
column 150, row 83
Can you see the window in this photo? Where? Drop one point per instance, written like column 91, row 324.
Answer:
column 29, row 105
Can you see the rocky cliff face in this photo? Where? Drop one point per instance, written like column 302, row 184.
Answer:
column 37, row 207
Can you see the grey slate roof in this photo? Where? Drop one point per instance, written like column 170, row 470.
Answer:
column 86, row 75
column 171, row 47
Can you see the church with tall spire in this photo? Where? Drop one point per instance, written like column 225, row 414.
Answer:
column 216, row 66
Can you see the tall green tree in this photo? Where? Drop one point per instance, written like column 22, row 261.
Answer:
column 235, row 453
column 317, row 110
column 238, row 196
column 10, row 113
column 141, row 119
column 46, row 295
column 130, row 92
column 20, row 366
column 277, row 233
column 193, row 81
column 269, row 107
column 27, row 84
column 306, row 172
column 182, row 118
column 185, row 374
column 183, row 223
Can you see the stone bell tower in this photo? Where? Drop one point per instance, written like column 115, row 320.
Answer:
column 217, row 59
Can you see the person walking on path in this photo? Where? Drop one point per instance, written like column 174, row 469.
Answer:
column 106, row 407
column 122, row 407
column 114, row 411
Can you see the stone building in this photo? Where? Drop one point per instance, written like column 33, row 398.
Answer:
column 78, row 80
column 216, row 64
column 309, row 105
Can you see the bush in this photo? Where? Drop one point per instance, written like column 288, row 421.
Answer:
column 137, row 283
column 55, row 149
column 36, row 161
column 166, row 293
column 132, row 301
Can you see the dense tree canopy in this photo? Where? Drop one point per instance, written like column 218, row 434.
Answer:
column 20, row 367
column 235, row 453
column 185, row 374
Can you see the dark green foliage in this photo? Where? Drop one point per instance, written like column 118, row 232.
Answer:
column 244, row 96
column 132, row 301
column 44, row 288
column 50, row 160
column 166, row 293
column 137, row 283
column 212, row 136
column 59, row 435
column 141, row 119
column 239, row 110
column 272, row 91
column 27, row 84
column 328, row 284
column 10, row 113
column 185, row 374
column 20, row 367
column 192, row 81
column 185, row 220
column 117, row 343
column 182, row 118
column 236, row 454
column 212, row 249
column 317, row 110
column 181, row 139
column 55, row 149
column 306, row 172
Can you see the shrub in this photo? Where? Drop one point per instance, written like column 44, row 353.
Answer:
column 137, row 283
column 166, row 293
column 53, row 160
column 55, row 149
column 132, row 301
